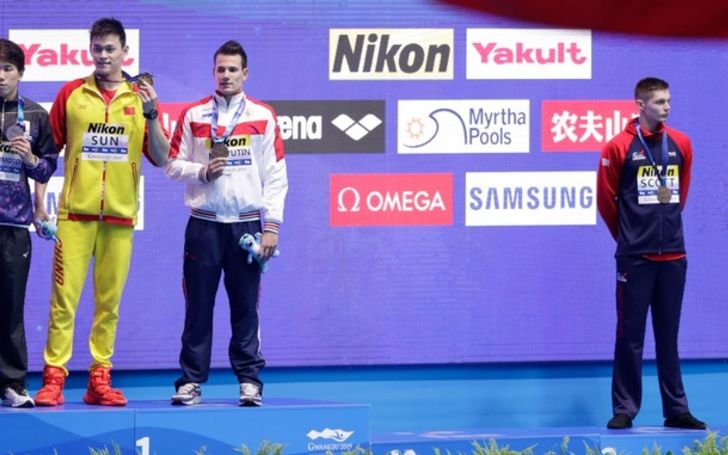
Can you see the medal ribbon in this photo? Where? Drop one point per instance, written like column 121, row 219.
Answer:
column 20, row 114
column 660, row 175
column 229, row 129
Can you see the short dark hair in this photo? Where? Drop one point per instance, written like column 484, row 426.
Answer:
column 108, row 26
column 11, row 52
column 648, row 85
column 232, row 47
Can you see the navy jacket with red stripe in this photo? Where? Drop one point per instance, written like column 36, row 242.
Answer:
column 626, row 191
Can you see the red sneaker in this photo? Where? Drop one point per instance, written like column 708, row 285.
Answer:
column 51, row 394
column 99, row 389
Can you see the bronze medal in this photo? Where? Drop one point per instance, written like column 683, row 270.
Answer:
column 664, row 194
column 219, row 150
column 14, row 131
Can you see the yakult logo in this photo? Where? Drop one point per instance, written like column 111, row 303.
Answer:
column 528, row 54
column 583, row 125
column 62, row 55
column 390, row 199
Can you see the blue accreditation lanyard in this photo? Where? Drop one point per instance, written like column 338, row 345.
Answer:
column 660, row 175
column 21, row 112
column 19, row 128
column 229, row 130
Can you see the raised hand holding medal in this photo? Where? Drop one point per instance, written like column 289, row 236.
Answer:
column 19, row 142
column 219, row 148
column 14, row 131
column 216, row 166
column 18, row 128
column 147, row 78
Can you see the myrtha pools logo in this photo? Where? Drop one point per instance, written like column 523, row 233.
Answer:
column 463, row 126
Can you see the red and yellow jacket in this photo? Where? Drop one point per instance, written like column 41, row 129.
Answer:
column 104, row 143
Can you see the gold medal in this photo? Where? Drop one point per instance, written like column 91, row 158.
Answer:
column 219, row 150
column 146, row 77
column 664, row 194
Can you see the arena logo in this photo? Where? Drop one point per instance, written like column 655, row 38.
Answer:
column 390, row 199
column 463, row 126
column 530, row 198
column 494, row 53
column 62, row 55
column 356, row 129
column 380, row 54
column 331, row 126
column 53, row 197
column 583, row 125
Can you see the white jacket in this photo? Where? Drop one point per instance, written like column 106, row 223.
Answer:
column 255, row 175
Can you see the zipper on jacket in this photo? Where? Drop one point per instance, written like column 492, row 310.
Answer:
column 103, row 163
column 134, row 182
column 659, row 248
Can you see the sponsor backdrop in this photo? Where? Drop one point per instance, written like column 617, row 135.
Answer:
column 442, row 178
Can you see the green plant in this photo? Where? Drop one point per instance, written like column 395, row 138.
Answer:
column 492, row 448
column 563, row 448
column 105, row 450
column 710, row 446
column 266, row 448
column 354, row 451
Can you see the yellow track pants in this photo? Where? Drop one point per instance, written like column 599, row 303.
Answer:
column 78, row 241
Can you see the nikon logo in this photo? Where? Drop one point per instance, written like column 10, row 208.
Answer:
column 386, row 54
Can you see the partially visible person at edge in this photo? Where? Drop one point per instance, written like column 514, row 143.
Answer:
column 98, row 206
column 642, row 187
column 27, row 151
column 228, row 150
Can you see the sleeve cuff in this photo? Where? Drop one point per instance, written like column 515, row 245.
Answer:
column 33, row 166
column 202, row 174
column 271, row 226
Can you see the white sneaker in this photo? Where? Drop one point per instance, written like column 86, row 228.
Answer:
column 250, row 395
column 189, row 394
column 16, row 396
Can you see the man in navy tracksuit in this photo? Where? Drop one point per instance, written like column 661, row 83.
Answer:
column 642, row 186
column 26, row 151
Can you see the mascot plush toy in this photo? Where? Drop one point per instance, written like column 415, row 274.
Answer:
column 251, row 244
column 47, row 229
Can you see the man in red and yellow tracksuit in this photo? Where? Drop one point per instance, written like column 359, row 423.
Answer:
column 106, row 123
